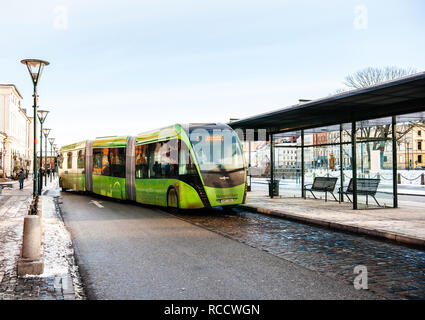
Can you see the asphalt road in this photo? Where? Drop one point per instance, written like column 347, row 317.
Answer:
column 128, row 251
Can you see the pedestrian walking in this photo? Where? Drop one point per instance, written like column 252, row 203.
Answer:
column 21, row 179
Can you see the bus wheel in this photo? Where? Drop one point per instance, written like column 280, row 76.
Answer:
column 172, row 201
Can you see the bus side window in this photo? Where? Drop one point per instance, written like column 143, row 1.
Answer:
column 142, row 162
column 97, row 161
column 182, row 159
column 154, row 160
column 61, row 158
column 117, row 162
column 80, row 160
column 105, row 164
column 186, row 164
column 168, row 158
column 69, row 160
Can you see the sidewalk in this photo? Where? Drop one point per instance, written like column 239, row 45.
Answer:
column 294, row 185
column 405, row 224
column 60, row 280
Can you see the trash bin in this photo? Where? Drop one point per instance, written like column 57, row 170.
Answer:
column 276, row 188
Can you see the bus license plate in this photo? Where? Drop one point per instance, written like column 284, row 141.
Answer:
column 226, row 200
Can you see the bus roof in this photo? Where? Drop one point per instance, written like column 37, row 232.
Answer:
column 73, row 146
column 159, row 134
column 111, row 141
column 164, row 133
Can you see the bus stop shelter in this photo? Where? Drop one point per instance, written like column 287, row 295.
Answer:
column 356, row 120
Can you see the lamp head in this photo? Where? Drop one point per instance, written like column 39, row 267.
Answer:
column 46, row 131
column 42, row 115
column 35, row 68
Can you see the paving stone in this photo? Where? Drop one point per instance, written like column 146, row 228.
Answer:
column 14, row 206
column 329, row 252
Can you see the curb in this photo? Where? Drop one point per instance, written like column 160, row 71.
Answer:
column 342, row 227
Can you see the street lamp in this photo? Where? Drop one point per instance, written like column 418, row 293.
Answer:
column 51, row 141
column 35, row 68
column 46, row 134
column 42, row 115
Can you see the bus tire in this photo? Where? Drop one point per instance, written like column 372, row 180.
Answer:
column 172, row 200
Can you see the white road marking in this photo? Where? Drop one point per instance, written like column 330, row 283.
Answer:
column 97, row 203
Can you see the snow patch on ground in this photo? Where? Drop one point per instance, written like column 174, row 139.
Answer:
column 57, row 247
column 57, row 243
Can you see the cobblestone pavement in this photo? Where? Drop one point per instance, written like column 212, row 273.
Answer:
column 394, row 272
column 408, row 221
column 14, row 205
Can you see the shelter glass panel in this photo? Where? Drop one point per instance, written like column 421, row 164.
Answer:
column 374, row 163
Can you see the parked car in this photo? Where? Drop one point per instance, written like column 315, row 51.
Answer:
column 420, row 168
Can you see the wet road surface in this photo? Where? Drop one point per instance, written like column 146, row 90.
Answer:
column 128, row 251
column 394, row 271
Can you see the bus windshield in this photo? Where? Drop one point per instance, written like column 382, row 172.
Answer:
column 216, row 149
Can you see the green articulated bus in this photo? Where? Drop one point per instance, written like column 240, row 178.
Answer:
column 188, row 166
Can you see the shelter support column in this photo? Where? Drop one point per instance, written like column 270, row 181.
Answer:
column 354, row 162
column 341, row 164
column 271, row 166
column 248, row 188
column 394, row 149
column 302, row 165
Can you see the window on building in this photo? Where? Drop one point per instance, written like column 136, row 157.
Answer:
column 419, row 133
column 419, row 158
column 419, row 145
column 69, row 160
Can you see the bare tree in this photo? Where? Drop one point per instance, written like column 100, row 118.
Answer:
column 366, row 78
column 372, row 76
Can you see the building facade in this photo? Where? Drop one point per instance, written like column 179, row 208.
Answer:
column 411, row 146
column 16, row 134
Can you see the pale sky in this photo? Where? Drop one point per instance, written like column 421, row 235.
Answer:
column 124, row 67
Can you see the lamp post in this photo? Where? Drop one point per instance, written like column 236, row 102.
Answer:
column 35, row 68
column 46, row 134
column 42, row 115
column 51, row 141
